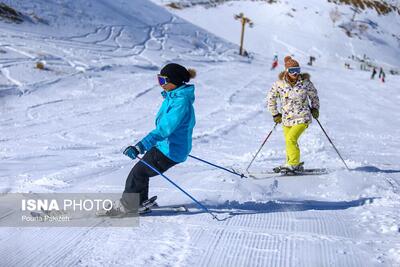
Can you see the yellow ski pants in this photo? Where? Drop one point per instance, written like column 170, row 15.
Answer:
column 292, row 134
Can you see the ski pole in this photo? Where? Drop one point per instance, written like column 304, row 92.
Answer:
column 177, row 186
column 219, row 167
column 251, row 162
column 330, row 141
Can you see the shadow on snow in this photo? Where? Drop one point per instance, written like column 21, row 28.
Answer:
column 373, row 169
column 233, row 208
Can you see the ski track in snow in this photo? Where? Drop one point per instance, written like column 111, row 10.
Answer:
column 66, row 130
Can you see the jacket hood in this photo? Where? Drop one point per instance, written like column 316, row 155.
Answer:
column 186, row 91
column 304, row 76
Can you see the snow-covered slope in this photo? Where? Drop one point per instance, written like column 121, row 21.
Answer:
column 66, row 127
column 303, row 28
column 98, row 36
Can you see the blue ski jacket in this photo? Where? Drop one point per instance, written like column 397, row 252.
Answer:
column 174, row 124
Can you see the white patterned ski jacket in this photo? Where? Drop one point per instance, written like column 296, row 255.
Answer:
column 293, row 100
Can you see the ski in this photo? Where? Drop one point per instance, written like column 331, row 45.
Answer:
column 286, row 171
column 274, row 174
column 147, row 206
column 151, row 205
column 176, row 209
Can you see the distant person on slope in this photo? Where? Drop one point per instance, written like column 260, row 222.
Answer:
column 380, row 72
column 293, row 89
column 274, row 62
column 382, row 75
column 373, row 73
column 170, row 142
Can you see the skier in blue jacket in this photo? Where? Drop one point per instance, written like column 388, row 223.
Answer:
column 170, row 142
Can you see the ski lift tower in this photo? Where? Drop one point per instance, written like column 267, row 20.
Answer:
column 244, row 20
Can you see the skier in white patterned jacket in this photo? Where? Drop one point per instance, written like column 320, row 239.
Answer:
column 294, row 90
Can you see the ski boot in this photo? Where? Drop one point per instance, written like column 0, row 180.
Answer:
column 289, row 169
column 118, row 209
column 146, row 205
column 293, row 169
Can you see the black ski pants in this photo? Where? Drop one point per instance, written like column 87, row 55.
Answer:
column 138, row 178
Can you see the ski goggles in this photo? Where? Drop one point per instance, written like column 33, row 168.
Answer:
column 162, row 80
column 294, row 70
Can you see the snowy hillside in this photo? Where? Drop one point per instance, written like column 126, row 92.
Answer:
column 303, row 28
column 98, row 35
column 63, row 129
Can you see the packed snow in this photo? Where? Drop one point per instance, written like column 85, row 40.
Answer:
column 63, row 129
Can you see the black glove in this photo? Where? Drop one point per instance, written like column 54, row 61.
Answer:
column 277, row 118
column 134, row 151
column 315, row 113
